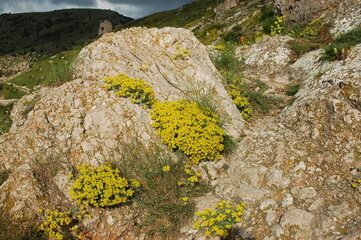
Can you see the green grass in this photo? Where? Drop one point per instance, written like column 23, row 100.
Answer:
column 5, row 119
column 190, row 14
column 49, row 71
column 160, row 196
column 9, row 92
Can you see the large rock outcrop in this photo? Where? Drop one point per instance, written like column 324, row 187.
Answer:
column 82, row 123
column 294, row 173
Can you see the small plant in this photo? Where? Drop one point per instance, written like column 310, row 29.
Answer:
column 61, row 70
column 312, row 30
column 220, row 221
column 182, row 53
column 101, row 186
column 62, row 225
column 139, row 91
column 292, row 89
column 355, row 183
column 183, row 126
column 239, row 99
column 278, row 27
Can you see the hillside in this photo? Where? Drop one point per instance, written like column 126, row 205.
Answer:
column 52, row 32
column 245, row 126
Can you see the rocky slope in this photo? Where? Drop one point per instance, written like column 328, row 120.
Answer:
column 293, row 173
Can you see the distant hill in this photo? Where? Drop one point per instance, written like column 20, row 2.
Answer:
column 52, row 32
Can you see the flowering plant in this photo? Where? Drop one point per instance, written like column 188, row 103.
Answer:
column 218, row 222
column 101, row 186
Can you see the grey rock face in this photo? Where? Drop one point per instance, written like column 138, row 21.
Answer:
column 150, row 54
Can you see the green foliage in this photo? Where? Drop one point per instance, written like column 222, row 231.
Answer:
column 49, row 71
column 312, row 30
column 260, row 102
column 233, row 35
column 183, row 126
column 231, row 69
column 292, row 89
column 5, row 119
column 267, row 18
column 167, row 186
column 9, row 92
column 341, row 45
column 101, row 186
column 52, row 32
column 139, row 91
column 220, row 221
column 302, row 46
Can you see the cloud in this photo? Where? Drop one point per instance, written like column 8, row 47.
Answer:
column 80, row 3
column 130, row 8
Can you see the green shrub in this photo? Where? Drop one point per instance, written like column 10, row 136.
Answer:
column 139, row 91
column 341, row 45
column 101, row 186
column 267, row 18
column 183, row 126
column 5, row 119
column 233, row 35
column 220, row 221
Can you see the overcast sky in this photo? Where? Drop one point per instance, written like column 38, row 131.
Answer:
column 129, row 8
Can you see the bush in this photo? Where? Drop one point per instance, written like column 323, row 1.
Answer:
column 101, row 187
column 220, row 221
column 340, row 47
column 139, row 91
column 267, row 19
column 183, row 126
column 234, row 35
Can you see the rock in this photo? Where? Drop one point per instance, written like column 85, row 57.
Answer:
column 303, row 193
column 149, row 54
column 347, row 18
column 297, row 217
column 304, row 11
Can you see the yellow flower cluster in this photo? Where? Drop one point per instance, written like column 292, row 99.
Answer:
column 219, row 47
column 355, row 182
column 181, row 53
column 278, row 26
column 26, row 101
column 218, row 222
column 312, row 29
column 101, row 186
column 166, row 168
column 193, row 177
column 57, row 224
column 183, row 126
column 239, row 100
column 139, row 91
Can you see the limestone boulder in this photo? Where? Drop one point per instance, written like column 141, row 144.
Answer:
column 155, row 55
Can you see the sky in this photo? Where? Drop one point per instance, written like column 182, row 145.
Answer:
column 129, row 8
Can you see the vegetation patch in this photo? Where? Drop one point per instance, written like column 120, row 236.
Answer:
column 61, row 225
column 101, row 186
column 5, row 119
column 139, row 91
column 10, row 92
column 49, row 71
column 168, row 187
column 183, row 126
column 219, row 222
column 341, row 45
